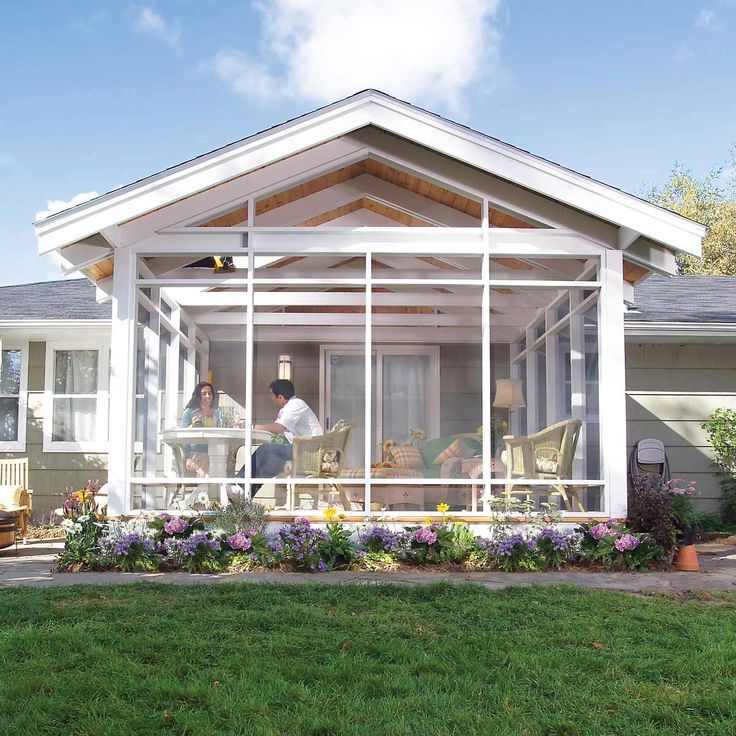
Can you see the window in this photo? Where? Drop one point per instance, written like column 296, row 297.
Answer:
column 76, row 397
column 13, row 378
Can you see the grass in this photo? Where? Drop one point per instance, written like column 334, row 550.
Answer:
column 363, row 659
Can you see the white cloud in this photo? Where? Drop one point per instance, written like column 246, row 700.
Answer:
column 321, row 50
column 148, row 21
column 705, row 19
column 57, row 205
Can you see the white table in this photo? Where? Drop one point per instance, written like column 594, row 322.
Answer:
column 220, row 441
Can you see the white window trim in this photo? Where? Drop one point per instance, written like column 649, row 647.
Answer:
column 18, row 445
column 99, row 445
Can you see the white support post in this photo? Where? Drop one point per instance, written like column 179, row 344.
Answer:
column 368, row 423
column 532, row 397
column 515, row 372
column 486, row 366
column 171, row 405
column 613, row 378
column 249, row 337
column 553, row 377
column 121, row 383
column 152, row 343
column 577, row 379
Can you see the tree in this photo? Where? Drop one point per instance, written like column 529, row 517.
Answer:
column 710, row 201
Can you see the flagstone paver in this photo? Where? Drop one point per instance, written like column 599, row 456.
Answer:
column 35, row 561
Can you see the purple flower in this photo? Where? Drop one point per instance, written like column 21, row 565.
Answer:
column 506, row 546
column 240, row 541
column 176, row 525
column 379, row 539
column 626, row 542
column 425, row 535
column 557, row 540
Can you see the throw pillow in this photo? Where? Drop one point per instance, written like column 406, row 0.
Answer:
column 458, row 449
column 407, row 457
column 547, row 464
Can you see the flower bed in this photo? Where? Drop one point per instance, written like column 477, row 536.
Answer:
column 168, row 543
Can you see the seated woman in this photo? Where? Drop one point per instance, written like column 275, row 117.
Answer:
column 201, row 411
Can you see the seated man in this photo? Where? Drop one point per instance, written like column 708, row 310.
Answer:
column 295, row 419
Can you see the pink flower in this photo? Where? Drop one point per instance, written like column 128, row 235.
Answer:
column 176, row 525
column 425, row 536
column 239, row 541
column 626, row 542
column 602, row 530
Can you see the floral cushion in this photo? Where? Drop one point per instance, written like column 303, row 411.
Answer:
column 457, row 448
column 547, row 464
column 408, row 457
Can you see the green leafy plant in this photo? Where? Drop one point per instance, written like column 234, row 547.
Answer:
column 241, row 514
column 336, row 550
column 81, row 543
column 721, row 429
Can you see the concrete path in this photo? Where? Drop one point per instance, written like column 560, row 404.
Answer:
column 34, row 563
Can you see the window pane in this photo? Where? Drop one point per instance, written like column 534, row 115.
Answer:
column 75, row 371
column 75, row 420
column 10, row 372
column 8, row 420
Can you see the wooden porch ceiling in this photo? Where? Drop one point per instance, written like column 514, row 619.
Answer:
column 379, row 170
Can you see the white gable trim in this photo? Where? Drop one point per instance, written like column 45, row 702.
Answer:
column 402, row 119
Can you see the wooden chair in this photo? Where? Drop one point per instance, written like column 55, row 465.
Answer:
column 544, row 455
column 308, row 462
column 15, row 496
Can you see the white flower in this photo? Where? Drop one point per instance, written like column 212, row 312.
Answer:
column 83, row 519
column 71, row 527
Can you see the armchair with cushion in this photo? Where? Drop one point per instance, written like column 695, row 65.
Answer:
column 545, row 455
column 319, row 457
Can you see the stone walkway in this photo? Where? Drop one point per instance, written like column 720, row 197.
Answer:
column 34, row 563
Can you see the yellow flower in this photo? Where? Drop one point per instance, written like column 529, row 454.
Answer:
column 442, row 508
column 330, row 513
column 459, row 523
column 428, row 521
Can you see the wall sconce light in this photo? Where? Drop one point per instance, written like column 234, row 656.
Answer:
column 285, row 367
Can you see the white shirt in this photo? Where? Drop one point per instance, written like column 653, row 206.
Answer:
column 299, row 420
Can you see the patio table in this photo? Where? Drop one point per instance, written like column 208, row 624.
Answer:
column 220, row 441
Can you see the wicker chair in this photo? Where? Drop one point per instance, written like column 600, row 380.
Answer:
column 15, row 496
column 546, row 455
column 308, row 461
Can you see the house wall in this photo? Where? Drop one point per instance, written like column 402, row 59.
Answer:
column 670, row 390
column 51, row 473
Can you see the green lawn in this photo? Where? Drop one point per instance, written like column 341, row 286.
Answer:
column 363, row 659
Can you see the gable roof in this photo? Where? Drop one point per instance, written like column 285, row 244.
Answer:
column 52, row 300
column 371, row 108
column 693, row 299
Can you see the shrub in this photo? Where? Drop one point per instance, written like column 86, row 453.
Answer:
column 336, row 550
column 546, row 549
column 721, row 429
column 612, row 544
column 440, row 542
column 651, row 512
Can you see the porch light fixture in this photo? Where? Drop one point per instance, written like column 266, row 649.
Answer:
column 509, row 394
column 285, row 365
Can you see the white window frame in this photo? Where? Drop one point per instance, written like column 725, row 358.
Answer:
column 19, row 444
column 100, row 444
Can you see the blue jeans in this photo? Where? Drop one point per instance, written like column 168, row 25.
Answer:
column 267, row 462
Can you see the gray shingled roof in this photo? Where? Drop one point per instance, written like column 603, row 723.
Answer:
column 699, row 299
column 71, row 299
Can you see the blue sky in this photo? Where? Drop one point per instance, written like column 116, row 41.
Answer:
column 98, row 94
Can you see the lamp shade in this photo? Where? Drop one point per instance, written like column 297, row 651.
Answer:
column 509, row 394
column 284, row 367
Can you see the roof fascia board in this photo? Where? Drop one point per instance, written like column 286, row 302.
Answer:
column 208, row 171
column 680, row 329
column 550, row 179
column 399, row 118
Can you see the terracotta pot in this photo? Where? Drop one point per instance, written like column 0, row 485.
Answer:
column 687, row 559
